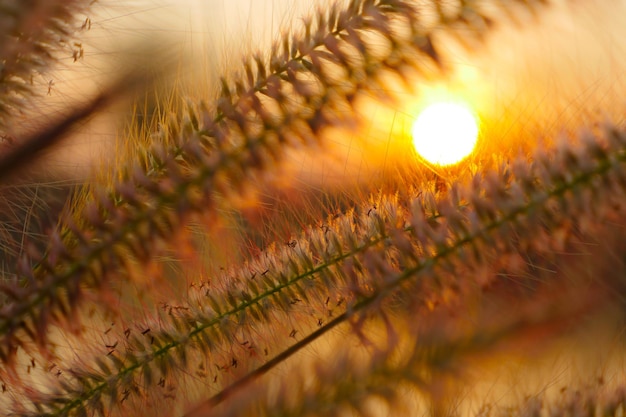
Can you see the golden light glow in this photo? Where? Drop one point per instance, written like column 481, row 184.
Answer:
column 445, row 133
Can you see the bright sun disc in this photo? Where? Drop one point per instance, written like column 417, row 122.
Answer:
column 445, row 133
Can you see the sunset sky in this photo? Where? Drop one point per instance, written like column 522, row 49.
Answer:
column 565, row 65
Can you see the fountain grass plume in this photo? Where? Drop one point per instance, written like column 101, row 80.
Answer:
column 32, row 35
column 401, row 292
column 215, row 152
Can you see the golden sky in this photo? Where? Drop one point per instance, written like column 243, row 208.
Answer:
column 553, row 70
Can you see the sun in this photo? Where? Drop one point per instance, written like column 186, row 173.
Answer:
column 445, row 133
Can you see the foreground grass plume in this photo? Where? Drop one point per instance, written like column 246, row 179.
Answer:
column 387, row 305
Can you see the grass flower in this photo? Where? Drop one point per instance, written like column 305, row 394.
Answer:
column 385, row 306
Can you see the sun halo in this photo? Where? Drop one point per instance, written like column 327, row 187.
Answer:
column 445, row 133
